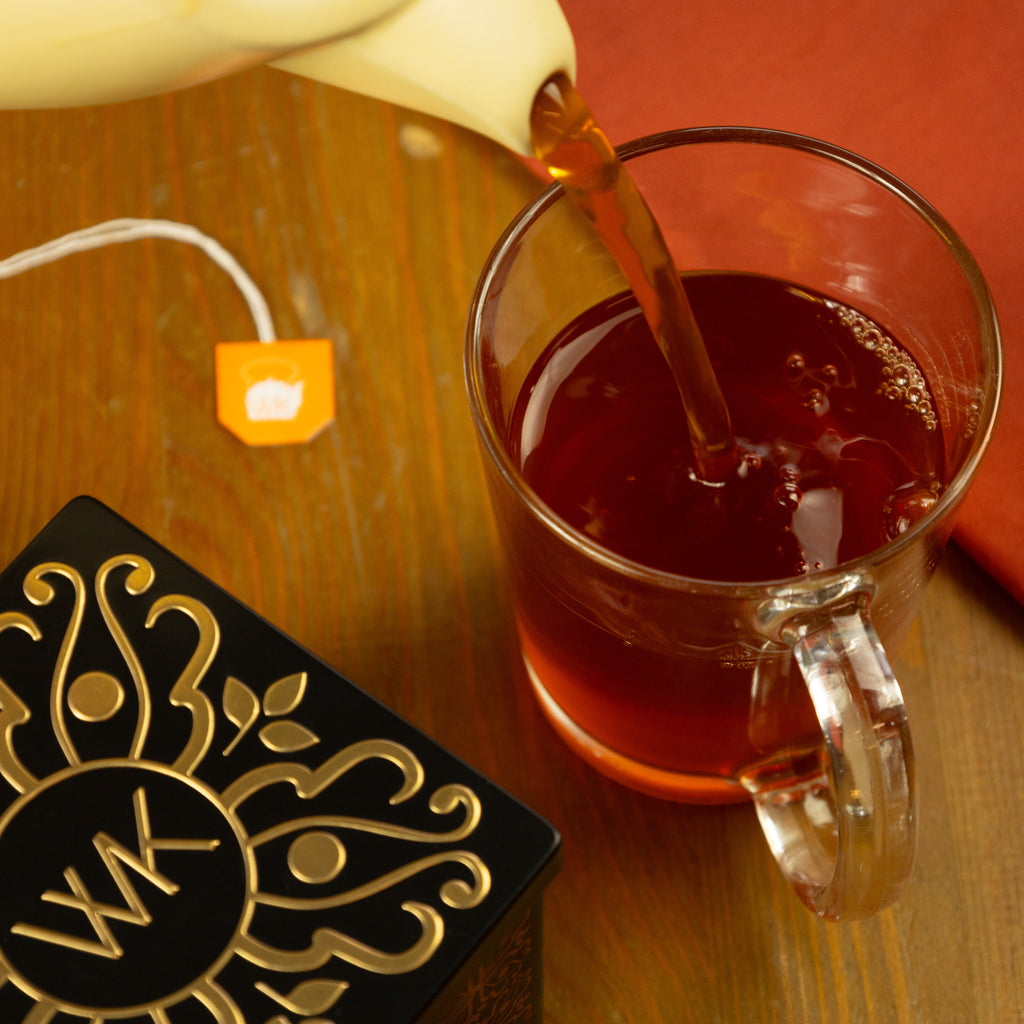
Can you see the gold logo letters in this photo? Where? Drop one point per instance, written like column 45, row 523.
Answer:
column 116, row 858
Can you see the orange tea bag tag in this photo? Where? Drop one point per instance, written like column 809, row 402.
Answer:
column 268, row 391
column 279, row 392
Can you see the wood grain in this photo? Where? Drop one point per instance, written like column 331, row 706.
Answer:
column 373, row 545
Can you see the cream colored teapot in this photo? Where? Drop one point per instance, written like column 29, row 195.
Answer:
column 478, row 63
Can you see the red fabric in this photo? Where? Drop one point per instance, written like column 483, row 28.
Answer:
column 932, row 90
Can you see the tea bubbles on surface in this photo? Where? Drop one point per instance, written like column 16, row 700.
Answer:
column 837, row 456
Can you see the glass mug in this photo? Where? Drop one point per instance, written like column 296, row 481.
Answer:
column 705, row 691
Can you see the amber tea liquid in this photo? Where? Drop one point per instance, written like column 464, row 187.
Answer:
column 572, row 145
column 841, row 452
column 841, row 449
column 716, row 426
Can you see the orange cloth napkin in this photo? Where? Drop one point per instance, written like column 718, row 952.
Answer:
column 931, row 90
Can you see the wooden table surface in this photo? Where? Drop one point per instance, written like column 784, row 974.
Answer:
column 373, row 545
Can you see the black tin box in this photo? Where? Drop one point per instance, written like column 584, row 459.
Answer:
column 201, row 822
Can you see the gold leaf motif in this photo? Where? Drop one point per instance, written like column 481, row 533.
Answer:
column 240, row 703
column 287, row 737
column 317, row 995
column 285, row 695
column 242, row 708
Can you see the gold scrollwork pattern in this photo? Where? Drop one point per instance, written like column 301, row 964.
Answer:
column 39, row 592
column 317, row 844
column 138, row 581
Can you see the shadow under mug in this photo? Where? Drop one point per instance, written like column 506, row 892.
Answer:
column 781, row 690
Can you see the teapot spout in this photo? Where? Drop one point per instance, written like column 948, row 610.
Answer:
column 477, row 63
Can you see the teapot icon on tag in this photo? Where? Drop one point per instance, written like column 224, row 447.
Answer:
column 273, row 388
column 275, row 393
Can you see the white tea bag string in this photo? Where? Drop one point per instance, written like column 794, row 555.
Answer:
column 130, row 229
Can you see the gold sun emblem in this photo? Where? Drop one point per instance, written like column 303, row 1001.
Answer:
column 178, row 842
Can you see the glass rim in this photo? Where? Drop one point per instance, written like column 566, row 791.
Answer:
column 992, row 357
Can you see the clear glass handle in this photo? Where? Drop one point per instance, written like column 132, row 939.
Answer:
column 844, row 830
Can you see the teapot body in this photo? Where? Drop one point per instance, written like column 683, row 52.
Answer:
column 476, row 62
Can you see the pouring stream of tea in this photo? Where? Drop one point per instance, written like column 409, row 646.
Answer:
column 569, row 141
